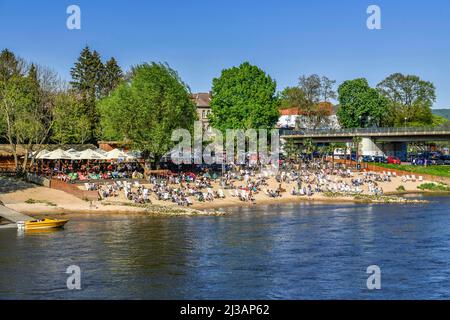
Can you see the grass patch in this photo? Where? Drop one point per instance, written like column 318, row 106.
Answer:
column 442, row 171
column 434, row 187
column 400, row 188
column 33, row 201
column 371, row 198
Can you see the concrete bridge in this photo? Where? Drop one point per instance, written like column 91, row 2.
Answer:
column 380, row 134
column 374, row 141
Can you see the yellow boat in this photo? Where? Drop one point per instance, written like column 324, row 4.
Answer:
column 42, row 224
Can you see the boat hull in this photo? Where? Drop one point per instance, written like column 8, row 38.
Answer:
column 44, row 224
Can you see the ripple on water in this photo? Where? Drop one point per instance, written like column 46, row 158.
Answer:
column 292, row 251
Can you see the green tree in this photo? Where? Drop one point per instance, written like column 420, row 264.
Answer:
column 440, row 121
column 312, row 97
column 309, row 147
column 410, row 99
column 112, row 77
column 26, row 103
column 71, row 125
column 146, row 109
column 35, row 87
column 88, row 80
column 317, row 89
column 242, row 98
column 10, row 65
column 330, row 150
column 291, row 149
column 360, row 105
column 15, row 102
column 292, row 97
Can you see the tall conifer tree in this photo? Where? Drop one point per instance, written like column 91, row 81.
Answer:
column 112, row 76
column 87, row 81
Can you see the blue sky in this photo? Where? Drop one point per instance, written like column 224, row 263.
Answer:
column 199, row 38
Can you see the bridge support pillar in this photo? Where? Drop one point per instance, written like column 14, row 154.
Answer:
column 370, row 147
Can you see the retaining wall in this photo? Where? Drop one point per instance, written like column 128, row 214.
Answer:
column 73, row 190
column 34, row 178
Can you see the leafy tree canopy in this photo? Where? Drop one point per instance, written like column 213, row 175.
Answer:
column 242, row 98
column 26, row 104
column 292, row 97
column 410, row 99
column 71, row 124
column 360, row 105
column 310, row 96
column 146, row 109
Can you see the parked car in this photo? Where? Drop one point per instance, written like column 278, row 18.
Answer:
column 367, row 159
column 393, row 160
column 351, row 157
column 379, row 159
column 419, row 161
column 339, row 153
column 437, row 161
column 446, row 159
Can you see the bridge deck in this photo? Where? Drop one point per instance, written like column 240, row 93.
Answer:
column 368, row 132
column 380, row 134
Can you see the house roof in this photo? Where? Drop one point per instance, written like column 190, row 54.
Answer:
column 295, row 111
column 202, row 99
column 290, row 112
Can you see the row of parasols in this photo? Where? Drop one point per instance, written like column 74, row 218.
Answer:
column 88, row 154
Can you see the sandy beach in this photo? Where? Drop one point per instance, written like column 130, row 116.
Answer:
column 32, row 199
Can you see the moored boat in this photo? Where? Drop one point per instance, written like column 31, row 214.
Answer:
column 45, row 223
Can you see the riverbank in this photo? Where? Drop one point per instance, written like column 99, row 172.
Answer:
column 393, row 197
column 41, row 201
column 36, row 200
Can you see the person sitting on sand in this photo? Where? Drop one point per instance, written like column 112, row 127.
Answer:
column 280, row 189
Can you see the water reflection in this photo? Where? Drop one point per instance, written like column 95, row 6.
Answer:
column 288, row 251
column 37, row 232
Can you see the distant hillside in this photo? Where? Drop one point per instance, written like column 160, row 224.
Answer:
column 442, row 112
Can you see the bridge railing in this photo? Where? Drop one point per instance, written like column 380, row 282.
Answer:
column 359, row 131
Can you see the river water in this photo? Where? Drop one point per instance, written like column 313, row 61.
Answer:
column 297, row 251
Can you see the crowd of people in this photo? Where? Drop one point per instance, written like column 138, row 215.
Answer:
column 244, row 184
column 74, row 171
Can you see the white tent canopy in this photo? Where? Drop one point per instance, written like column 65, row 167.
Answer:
column 40, row 154
column 101, row 151
column 55, row 155
column 116, row 154
column 89, row 154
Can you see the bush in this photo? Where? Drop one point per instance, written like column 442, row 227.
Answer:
column 434, row 187
column 32, row 201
